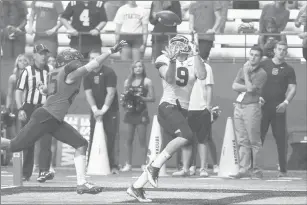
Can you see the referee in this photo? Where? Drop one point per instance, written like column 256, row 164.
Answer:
column 278, row 92
column 28, row 98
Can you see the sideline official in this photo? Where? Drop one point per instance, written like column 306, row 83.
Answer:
column 27, row 85
column 278, row 92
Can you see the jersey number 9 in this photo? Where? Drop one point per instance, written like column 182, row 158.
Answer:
column 183, row 76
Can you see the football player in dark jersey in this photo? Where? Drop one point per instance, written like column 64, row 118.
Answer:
column 62, row 87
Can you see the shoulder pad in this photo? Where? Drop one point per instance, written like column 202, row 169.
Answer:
column 99, row 4
column 160, row 61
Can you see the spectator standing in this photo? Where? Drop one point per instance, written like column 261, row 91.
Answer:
column 276, row 10
column 302, row 20
column 224, row 13
column 27, row 84
column 21, row 62
column 266, row 41
column 15, row 19
column 101, row 94
column 278, row 92
column 88, row 19
column 205, row 29
column 132, row 26
column 47, row 14
column 112, row 7
column 160, row 41
column 138, row 119
column 199, row 118
column 247, row 113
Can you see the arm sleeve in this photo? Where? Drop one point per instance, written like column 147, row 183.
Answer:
column 68, row 12
column 111, row 80
column 23, row 80
column 59, row 7
column 291, row 77
column 176, row 8
column 239, row 77
column 151, row 19
column 162, row 65
column 260, row 80
column 87, row 83
column 119, row 17
column 103, row 15
column 23, row 10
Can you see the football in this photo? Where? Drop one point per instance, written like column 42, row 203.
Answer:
column 168, row 18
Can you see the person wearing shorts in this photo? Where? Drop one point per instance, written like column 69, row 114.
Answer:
column 132, row 26
column 199, row 119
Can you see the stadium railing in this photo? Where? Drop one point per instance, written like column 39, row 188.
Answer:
column 226, row 46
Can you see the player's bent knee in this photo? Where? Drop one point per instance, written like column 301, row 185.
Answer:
column 186, row 134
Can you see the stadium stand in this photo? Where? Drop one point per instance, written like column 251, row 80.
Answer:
column 230, row 45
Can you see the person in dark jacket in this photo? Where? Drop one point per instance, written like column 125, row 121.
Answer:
column 160, row 41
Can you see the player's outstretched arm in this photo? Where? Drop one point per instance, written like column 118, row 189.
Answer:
column 93, row 64
column 166, row 64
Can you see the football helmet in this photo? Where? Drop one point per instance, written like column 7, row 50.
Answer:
column 68, row 55
column 180, row 44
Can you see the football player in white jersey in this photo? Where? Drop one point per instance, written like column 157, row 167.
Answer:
column 179, row 67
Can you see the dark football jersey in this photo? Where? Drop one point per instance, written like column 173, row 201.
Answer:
column 85, row 16
column 60, row 94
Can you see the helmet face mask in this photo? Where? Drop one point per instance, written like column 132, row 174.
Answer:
column 180, row 44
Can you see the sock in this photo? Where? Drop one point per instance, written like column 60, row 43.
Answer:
column 161, row 159
column 80, row 162
column 141, row 181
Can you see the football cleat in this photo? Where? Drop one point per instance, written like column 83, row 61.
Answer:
column 88, row 188
column 138, row 194
column 153, row 175
column 44, row 176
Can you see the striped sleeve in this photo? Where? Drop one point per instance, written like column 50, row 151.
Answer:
column 23, row 80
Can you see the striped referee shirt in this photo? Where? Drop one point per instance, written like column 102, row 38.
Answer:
column 27, row 82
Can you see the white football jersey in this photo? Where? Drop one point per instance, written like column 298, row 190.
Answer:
column 185, row 79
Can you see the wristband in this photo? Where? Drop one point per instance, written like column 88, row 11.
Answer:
column 90, row 66
column 172, row 60
column 94, row 108
column 110, row 51
column 97, row 30
column 104, row 108
column 287, row 102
